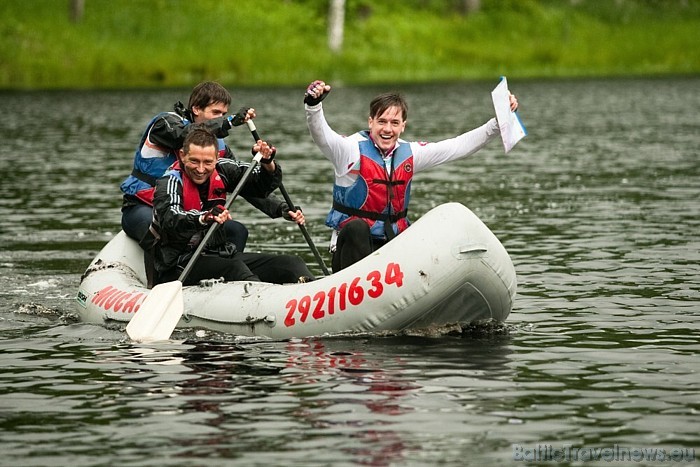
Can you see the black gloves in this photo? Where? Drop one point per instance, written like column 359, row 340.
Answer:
column 309, row 99
column 238, row 118
column 268, row 160
column 208, row 217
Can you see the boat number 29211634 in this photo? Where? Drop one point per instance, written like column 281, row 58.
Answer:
column 339, row 297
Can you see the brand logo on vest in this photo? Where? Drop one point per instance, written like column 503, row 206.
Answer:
column 408, row 167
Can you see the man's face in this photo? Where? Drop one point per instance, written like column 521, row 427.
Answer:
column 386, row 128
column 199, row 162
column 217, row 109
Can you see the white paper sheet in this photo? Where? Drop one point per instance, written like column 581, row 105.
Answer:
column 512, row 129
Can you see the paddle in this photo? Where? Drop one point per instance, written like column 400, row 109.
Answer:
column 161, row 310
column 288, row 200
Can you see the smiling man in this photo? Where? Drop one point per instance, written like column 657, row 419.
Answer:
column 374, row 169
column 191, row 196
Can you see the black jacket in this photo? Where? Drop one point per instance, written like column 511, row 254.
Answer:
column 171, row 239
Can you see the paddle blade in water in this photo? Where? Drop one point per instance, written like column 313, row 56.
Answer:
column 158, row 314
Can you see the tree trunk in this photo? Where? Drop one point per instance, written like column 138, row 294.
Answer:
column 471, row 6
column 336, row 24
column 77, row 7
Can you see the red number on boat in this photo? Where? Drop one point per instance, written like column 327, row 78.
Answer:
column 377, row 288
column 353, row 293
column 291, row 308
column 331, row 301
column 304, row 307
column 393, row 275
column 342, row 290
column 356, row 292
column 318, row 310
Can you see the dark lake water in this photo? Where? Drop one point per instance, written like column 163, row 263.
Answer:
column 598, row 208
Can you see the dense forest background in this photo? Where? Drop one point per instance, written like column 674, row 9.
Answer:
column 50, row 44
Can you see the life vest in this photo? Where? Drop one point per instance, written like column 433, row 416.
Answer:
column 379, row 193
column 190, row 193
column 151, row 162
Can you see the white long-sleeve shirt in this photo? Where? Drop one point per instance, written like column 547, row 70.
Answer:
column 344, row 152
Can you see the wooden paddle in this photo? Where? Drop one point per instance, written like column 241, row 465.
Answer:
column 288, row 200
column 163, row 307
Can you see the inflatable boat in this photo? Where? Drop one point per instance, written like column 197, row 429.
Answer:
column 446, row 268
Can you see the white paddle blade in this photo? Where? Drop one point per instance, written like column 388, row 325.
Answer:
column 158, row 314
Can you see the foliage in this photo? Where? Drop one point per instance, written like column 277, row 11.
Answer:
column 144, row 43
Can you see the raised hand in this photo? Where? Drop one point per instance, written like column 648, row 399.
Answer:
column 316, row 92
column 243, row 115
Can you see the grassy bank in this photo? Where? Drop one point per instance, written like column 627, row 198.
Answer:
column 163, row 43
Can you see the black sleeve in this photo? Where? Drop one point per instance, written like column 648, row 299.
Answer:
column 272, row 206
column 169, row 210
column 260, row 184
column 170, row 129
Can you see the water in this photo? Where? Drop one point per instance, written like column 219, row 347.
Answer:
column 597, row 207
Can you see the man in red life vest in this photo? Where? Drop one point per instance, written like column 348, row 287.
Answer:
column 374, row 169
column 190, row 197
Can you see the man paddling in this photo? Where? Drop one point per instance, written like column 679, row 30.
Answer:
column 374, row 169
column 208, row 104
column 190, row 197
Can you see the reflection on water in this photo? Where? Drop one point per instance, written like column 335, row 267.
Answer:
column 597, row 206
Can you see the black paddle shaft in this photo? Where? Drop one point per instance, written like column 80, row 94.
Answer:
column 288, row 200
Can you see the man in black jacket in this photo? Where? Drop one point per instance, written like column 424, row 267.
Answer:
column 190, row 197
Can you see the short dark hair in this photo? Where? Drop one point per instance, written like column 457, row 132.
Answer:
column 199, row 135
column 207, row 93
column 382, row 102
